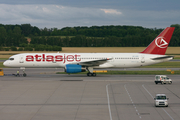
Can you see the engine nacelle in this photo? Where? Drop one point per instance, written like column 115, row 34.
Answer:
column 72, row 68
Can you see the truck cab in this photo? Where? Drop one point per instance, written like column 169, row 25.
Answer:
column 161, row 100
column 1, row 72
column 163, row 79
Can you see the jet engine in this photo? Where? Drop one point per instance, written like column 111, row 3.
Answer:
column 72, row 68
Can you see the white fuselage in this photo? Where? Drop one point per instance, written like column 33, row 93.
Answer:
column 55, row 60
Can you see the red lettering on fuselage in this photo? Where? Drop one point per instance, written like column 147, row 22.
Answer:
column 37, row 56
column 59, row 58
column 70, row 58
column 29, row 58
column 51, row 58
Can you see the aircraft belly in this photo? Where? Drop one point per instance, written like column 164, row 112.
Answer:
column 41, row 65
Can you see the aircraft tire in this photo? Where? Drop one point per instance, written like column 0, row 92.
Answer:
column 89, row 74
column 93, row 74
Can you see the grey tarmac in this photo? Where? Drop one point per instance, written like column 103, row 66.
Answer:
column 44, row 95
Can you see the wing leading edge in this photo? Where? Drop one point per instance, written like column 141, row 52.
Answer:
column 92, row 63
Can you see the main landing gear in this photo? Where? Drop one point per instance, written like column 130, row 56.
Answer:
column 90, row 73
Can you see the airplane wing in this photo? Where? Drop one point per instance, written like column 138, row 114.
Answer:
column 92, row 62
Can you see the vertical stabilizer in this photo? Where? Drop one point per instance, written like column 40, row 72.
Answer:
column 160, row 43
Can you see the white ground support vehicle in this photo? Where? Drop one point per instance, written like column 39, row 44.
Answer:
column 163, row 79
column 161, row 100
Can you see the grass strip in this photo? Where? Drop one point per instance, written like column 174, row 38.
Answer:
column 1, row 65
column 164, row 65
column 3, row 58
column 177, row 72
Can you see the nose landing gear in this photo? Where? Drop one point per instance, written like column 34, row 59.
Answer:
column 24, row 74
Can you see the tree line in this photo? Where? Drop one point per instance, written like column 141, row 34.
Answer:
column 94, row 36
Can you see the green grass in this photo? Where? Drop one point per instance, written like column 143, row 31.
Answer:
column 177, row 58
column 3, row 58
column 1, row 65
column 164, row 65
column 131, row 72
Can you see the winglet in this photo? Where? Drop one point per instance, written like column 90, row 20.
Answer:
column 160, row 43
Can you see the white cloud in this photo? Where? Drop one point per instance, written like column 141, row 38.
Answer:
column 61, row 16
column 111, row 11
column 49, row 15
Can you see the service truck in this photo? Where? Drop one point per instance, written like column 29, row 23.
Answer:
column 163, row 79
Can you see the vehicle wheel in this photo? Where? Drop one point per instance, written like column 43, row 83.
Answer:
column 156, row 82
column 170, row 82
column 167, row 106
column 24, row 75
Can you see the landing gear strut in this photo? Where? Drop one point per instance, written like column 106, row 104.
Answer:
column 24, row 74
column 90, row 73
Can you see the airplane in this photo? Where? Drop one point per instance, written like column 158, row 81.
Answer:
column 81, row 62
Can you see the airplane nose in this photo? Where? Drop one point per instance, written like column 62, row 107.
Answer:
column 5, row 63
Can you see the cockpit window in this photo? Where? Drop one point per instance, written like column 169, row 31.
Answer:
column 11, row 58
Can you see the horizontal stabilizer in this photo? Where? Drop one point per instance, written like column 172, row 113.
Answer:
column 160, row 58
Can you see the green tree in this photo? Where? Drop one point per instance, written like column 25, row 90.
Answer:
column 20, row 49
column 3, row 36
column 13, row 48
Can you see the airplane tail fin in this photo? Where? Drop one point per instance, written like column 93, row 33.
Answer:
column 160, row 43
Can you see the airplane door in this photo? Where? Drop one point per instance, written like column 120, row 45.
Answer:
column 142, row 59
column 111, row 59
column 21, row 59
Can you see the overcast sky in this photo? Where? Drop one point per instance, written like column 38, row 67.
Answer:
column 70, row 13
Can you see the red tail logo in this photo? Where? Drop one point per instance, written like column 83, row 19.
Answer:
column 160, row 44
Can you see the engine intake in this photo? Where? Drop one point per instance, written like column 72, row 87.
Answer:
column 72, row 68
